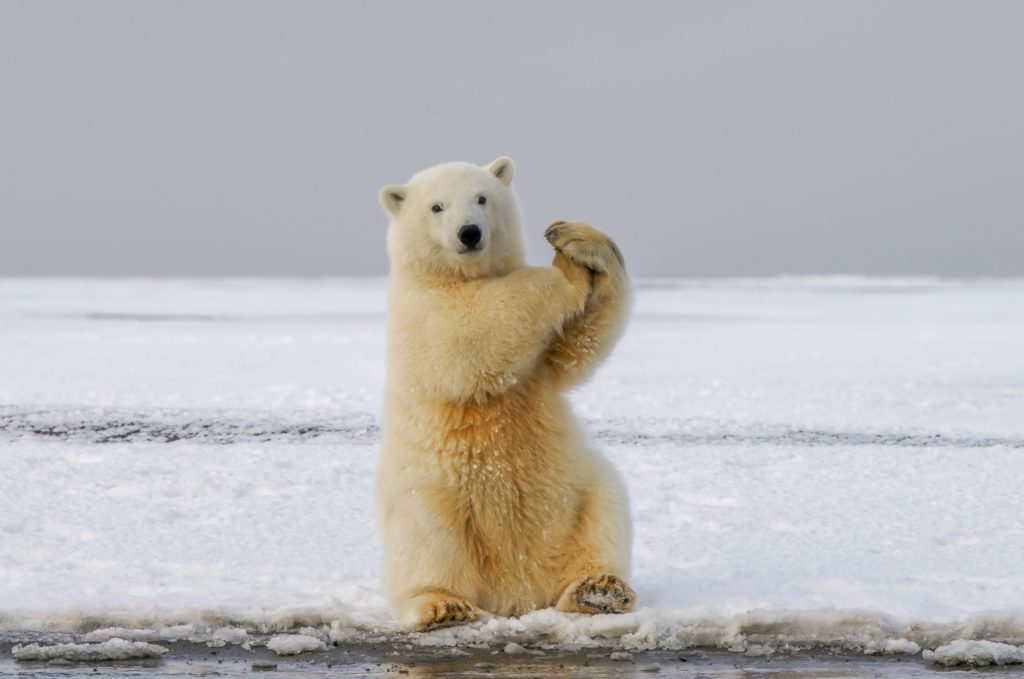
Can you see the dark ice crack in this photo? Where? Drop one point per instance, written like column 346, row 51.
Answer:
column 229, row 426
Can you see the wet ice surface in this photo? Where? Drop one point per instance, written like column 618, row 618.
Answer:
column 813, row 463
column 186, row 660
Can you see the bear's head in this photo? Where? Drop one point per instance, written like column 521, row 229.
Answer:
column 456, row 219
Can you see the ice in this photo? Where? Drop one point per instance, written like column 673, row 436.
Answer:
column 168, row 633
column 977, row 653
column 228, row 635
column 813, row 463
column 613, row 626
column 293, row 644
column 900, row 646
column 114, row 649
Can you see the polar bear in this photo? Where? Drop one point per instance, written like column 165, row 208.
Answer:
column 490, row 499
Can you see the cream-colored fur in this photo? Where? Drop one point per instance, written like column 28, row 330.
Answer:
column 490, row 497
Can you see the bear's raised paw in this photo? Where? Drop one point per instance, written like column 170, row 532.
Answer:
column 603, row 593
column 585, row 245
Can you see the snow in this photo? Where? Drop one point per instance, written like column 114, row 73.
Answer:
column 293, row 644
column 978, row 653
column 114, row 649
column 813, row 463
column 214, row 637
column 900, row 646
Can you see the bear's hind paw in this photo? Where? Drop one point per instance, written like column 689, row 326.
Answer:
column 603, row 593
column 443, row 610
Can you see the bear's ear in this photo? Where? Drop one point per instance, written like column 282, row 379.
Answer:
column 392, row 197
column 503, row 168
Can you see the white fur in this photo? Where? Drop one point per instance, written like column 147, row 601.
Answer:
column 489, row 496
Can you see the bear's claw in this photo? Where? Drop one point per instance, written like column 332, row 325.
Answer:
column 604, row 593
column 584, row 245
column 444, row 612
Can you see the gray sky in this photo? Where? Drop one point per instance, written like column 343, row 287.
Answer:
column 710, row 138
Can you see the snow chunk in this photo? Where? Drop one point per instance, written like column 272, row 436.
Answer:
column 977, row 653
column 512, row 648
column 892, row 647
column 293, row 644
column 897, row 646
column 163, row 633
column 613, row 626
column 114, row 649
column 228, row 635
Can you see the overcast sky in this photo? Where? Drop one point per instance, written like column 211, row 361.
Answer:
column 710, row 138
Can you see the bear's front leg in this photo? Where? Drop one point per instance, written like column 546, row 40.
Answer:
column 587, row 338
column 439, row 608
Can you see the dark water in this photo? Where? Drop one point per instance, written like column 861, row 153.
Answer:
column 193, row 660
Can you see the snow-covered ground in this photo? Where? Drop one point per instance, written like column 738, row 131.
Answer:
column 812, row 462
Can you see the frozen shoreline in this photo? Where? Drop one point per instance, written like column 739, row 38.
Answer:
column 856, row 632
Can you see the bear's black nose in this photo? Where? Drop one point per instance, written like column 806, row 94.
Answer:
column 470, row 234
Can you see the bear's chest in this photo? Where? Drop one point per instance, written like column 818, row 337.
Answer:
column 492, row 438
column 495, row 463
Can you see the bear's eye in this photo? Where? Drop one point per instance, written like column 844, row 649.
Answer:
column 482, row 200
column 436, row 208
